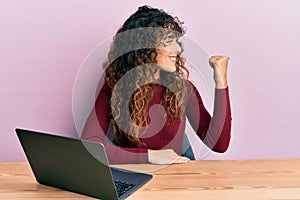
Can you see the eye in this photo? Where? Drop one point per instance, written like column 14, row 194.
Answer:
column 167, row 43
column 169, row 40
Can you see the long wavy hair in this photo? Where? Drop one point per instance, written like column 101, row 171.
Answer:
column 132, row 62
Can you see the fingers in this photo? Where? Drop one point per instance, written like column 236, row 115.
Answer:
column 218, row 60
column 165, row 156
column 181, row 159
column 216, row 57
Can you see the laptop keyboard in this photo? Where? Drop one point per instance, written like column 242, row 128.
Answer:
column 123, row 187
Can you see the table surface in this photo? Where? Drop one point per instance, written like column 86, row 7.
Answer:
column 219, row 179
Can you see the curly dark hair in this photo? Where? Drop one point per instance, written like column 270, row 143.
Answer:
column 133, row 53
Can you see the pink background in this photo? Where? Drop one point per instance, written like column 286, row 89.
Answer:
column 43, row 44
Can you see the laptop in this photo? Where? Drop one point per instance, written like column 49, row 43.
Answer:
column 78, row 166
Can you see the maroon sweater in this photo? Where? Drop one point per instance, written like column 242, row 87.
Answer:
column 163, row 132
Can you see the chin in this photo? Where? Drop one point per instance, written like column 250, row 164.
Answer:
column 173, row 69
column 168, row 68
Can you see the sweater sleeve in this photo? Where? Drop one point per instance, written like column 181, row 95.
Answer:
column 96, row 129
column 213, row 131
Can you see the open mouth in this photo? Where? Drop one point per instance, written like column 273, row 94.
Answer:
column 173, row 58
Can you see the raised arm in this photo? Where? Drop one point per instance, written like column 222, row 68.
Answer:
column 214, row 131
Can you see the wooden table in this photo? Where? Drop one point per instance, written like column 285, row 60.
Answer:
column 223, row 179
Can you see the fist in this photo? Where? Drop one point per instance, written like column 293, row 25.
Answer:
column 219, row 65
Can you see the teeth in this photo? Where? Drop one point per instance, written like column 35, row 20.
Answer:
column 173, row 58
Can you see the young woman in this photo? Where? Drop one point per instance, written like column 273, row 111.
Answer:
column 141, row 109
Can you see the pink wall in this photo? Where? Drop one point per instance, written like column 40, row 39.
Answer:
column 43, row 44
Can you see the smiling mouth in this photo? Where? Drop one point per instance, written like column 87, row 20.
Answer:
column 173, row 58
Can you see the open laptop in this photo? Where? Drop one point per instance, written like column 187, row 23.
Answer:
column 77, row 165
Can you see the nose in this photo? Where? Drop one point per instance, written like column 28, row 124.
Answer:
column 174, row 47
column 177, row 48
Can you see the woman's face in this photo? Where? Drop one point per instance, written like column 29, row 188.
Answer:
column 167, row 53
